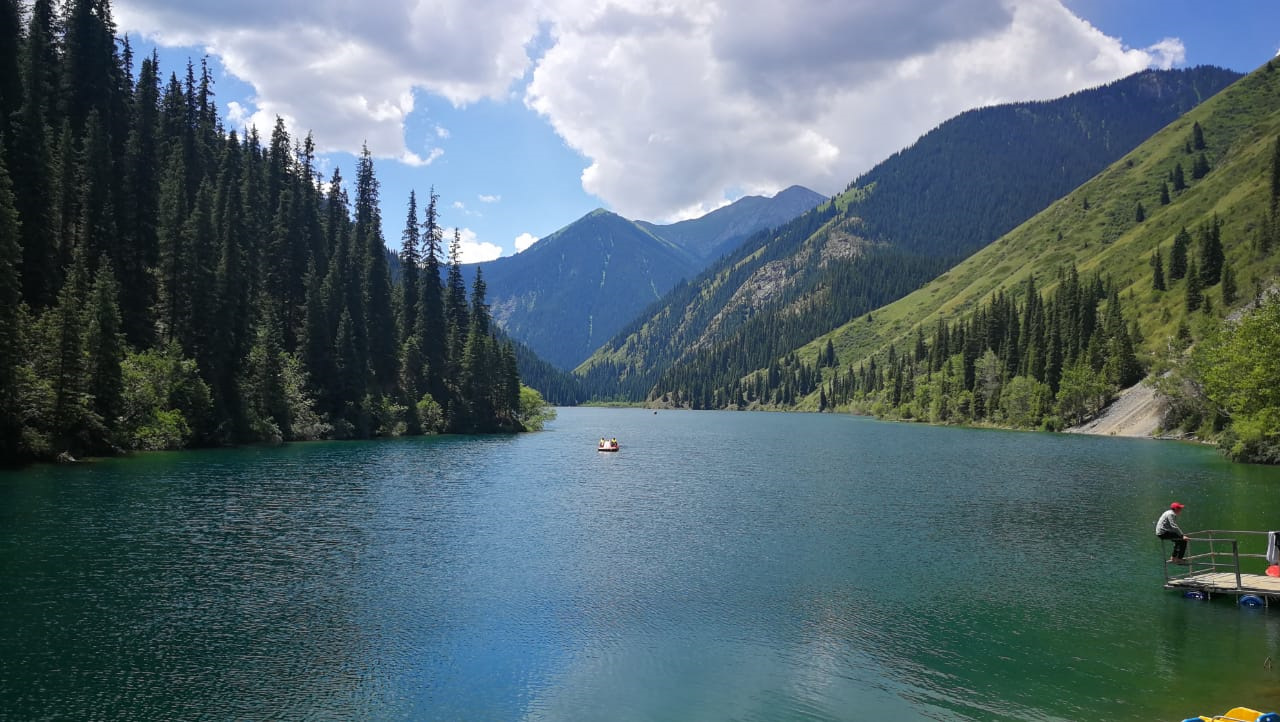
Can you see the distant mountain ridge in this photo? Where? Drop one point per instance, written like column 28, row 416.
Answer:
column 720, row 231
column 570, row 292
column 959, row 187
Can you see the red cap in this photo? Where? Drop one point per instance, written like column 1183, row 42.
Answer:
column 1175, row 505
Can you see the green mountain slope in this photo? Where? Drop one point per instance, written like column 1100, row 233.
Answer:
column 781, row 289
column 1099, row 230
column 985, row 171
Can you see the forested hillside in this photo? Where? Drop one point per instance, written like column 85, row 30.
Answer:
column 983, row 172
column 574, row 289
column 566, row 294
column 901, row 224
column 1131, row 273
column 166, row 282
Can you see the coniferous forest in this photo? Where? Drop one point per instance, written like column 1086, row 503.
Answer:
column 166, row 282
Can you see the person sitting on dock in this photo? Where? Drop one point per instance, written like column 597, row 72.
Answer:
column 1167, row 528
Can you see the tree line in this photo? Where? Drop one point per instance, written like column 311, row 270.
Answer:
column 1029, row 363
column 167, row 282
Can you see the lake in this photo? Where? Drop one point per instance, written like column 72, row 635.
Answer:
column 722, row 565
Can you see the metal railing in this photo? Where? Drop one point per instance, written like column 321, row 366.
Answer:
column 1216, row 557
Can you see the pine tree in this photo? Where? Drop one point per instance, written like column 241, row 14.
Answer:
column 267, row 404
column 139, row 194
column 1195, row 296
column 410, row 239
column 379, row 318
column 1178, row 181
column 1164, row 194
column 64, row 361
column 1139, row 213
column 1229, row 290
column 10, row 68
column 1157, row 271
column 1275, row 177
column 106, row 346
column 96, row 221
column 1197, row 136
column 455, row 308
column 233, row 319
column 1178, row 256
column 1200, row 168
column 32, row 162
column 1211, row 254
column 433, row 333
column 11, row 320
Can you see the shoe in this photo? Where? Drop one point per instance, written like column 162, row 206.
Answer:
column 1181, row 561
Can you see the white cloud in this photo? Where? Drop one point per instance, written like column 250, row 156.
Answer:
column 676, row 105
column 237, row 115
column 758, row 95
column 524, row 240
column 410, row 158
column 472, row 250
column 486, row 198
column 346, row 70
column 459, row 205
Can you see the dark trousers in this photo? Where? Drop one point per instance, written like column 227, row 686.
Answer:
column 1179, row 544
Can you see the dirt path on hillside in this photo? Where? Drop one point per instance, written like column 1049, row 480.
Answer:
column 1137, row 412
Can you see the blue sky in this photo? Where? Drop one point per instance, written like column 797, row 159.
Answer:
column 526, row 116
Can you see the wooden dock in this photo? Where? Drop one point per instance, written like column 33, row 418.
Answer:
column 1215, row 566
column 1225, row 583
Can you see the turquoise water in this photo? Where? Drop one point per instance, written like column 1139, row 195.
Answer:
column 720, row 566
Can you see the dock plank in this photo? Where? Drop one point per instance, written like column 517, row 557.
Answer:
column 1225, row 583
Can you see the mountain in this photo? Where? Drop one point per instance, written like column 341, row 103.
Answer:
column 574, row 289
column 723, row 229
column 566, row 294
column 959, row 187
column 1198, row 201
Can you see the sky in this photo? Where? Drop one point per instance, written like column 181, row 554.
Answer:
column 525, row 115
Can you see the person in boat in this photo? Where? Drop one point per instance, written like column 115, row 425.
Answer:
column 1167, row 528
column 613, row 443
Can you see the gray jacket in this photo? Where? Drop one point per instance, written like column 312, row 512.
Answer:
column 1168, row 525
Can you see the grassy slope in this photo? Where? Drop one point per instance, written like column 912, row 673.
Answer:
column 1240, row 126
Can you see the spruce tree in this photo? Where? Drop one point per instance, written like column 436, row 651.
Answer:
column 63, row 359
column 1200, row 168
column 10, row 67
column 433, row 333
column 1139, row 213
column 1275, row 177
column 1197, row 136
column 379, row 318
column 32, row 162
column 1164, row 194
column 1157, row 271
column 455, row 308
column 139, row 200
column 410, row 239
column 1229, row 290
column 1195, row 287
column 1211, row 254
column 106, row 351
column 1178, row 256
column 11, row 320
column 1178, row 181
